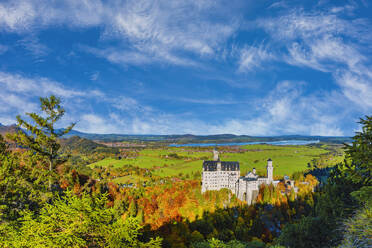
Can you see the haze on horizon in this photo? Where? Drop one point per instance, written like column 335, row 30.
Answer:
column 259, row 68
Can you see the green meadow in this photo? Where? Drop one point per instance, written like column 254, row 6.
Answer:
column 187, row 160
column 286, row 159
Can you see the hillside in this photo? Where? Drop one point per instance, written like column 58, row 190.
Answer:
column 190, row 138
column 8, row 129
column 80, row 145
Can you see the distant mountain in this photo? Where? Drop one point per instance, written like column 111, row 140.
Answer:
column 8, row 129
column 188, row 138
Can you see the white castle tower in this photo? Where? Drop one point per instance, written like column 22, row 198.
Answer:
column 270, row 170
column 216, row 155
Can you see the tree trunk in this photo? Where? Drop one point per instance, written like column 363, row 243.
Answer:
column 50, row 173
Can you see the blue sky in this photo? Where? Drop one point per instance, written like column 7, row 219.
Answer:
column 190, row 66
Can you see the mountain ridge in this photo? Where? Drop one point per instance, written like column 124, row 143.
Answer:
column 188, row 138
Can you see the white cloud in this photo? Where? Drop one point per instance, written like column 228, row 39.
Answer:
column 136, row 57
column 326, row 42
column 10, row 102
column 19, row 94
column 94, row 76
column 207, row 101
column 284, row 110
column 357, row 88
column 37, row 86
column 252, row 57
column 92, row 123
column 27, row 15
column 129, row 105
column 33, row 45
column 156, row 31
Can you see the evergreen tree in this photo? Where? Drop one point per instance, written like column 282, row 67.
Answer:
column 348, row 182
column 360, row 154
column 73, row 221
column 20, row 186
column 3, row 146
column 41, row 137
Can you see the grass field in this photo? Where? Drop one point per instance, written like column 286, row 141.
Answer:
column 286, row 159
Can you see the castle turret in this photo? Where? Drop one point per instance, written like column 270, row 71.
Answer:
column 270, row 170
column 216, row 155
column 219, row 166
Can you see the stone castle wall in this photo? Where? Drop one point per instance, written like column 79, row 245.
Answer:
column 217, row 176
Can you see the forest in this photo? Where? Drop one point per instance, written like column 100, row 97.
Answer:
column 59, row 192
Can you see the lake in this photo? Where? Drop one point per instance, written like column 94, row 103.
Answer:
column 277, row 143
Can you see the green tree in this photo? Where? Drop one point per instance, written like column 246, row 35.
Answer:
column 72, row 221
column 348, row 187
column 42, row 137
column 20, row 187
column 196, row 237
column 360, row 154
column 3, row 146
column 358, row 229
column 306, row 233
column 215, row 243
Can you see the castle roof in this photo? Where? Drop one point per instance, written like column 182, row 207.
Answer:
column 248, row 178
column 210, row 165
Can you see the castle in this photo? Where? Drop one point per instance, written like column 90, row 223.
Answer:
column 219, row 174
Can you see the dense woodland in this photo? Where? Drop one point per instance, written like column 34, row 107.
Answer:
column 50, row 198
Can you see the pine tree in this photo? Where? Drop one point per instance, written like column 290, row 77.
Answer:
column 42, row 137
column 360, row 153
column 73, row 221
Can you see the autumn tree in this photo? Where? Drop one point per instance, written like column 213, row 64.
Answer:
column 41, row 136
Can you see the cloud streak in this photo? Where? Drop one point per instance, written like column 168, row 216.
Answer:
column 252, row 57
column 210, row 39
column 156, row 31
column 326, row 42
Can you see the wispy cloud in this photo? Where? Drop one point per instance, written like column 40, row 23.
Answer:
column 37, row 86
column 326, row 42
column 191, row 34
column 284, row 110
column 94, row 76
column 19, row 94
column 252, row 57
column 208, row 101
column 159, row 30
column 136, row 57
column 33, row 45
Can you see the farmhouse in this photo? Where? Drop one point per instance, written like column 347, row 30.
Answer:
column 219, row 174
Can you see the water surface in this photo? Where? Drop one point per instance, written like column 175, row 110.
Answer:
column 277, row 143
